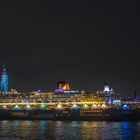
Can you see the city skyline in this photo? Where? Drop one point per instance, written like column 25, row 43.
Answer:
column 86, row 44
column 59, row 87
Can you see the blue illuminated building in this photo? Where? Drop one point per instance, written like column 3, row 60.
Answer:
column 4, row 80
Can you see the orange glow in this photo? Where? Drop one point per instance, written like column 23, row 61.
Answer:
column 64, row 86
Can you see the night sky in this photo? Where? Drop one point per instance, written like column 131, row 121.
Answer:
column 85, row 43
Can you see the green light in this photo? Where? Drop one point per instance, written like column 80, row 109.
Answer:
column 42, row 106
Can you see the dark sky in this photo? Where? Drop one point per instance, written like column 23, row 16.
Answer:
column 83, row 42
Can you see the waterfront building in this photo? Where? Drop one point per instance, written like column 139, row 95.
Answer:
column 4, row 80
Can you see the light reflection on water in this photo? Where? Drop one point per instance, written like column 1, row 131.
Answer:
column 69, row 130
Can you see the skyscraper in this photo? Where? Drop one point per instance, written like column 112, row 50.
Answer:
column 4, row 80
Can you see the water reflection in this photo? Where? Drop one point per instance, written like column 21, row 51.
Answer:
column 69, row 130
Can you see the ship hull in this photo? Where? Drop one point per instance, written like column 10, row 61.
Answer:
column 95, row 115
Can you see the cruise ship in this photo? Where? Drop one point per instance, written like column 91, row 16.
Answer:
column 66, row 104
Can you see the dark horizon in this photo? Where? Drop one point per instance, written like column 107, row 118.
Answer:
column 85, row 43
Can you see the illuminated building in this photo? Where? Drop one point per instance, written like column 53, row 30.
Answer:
column 4, row 80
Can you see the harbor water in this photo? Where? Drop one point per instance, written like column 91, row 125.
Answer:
column 68, row 130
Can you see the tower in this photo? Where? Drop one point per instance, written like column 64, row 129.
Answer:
column 4, row 80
